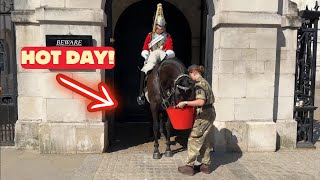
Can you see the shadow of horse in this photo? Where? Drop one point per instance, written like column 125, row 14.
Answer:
column 129, row 135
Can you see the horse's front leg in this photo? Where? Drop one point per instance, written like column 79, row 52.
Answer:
column 168, row 152
column 161, row 116
column 155, row 115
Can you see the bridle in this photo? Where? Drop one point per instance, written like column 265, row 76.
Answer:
column 166, row 97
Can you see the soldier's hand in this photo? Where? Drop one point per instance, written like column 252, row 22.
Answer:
column 181, row 104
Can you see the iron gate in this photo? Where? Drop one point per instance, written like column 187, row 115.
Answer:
column 8, row 75
column 305, row 76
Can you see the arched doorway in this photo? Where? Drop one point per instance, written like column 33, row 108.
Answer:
column 129, row 28
column 130, row 32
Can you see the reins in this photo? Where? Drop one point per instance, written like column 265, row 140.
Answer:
column 167, row 96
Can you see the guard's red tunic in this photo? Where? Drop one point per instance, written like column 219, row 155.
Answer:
column 167, row 45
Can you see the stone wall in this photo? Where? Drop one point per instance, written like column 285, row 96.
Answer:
column 253, row 46
column 52, row 119
column 253, row 74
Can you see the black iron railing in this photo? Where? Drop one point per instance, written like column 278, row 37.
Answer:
column 8, row 75
column 305, row 76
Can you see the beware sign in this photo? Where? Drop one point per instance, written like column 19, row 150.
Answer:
column 67, row 57
column 68, row 40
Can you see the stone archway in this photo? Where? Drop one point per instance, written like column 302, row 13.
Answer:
column 131, row 29
column 119, row 10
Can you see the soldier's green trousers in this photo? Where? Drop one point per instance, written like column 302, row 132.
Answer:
column 199, row 142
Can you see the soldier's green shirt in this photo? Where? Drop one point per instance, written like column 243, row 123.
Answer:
column 204, row 91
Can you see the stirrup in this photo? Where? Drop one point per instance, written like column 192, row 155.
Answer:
column 141, row 100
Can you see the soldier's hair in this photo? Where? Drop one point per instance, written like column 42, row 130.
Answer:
column 195, row 67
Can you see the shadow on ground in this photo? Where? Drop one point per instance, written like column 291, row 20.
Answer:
column 316, row 131
column 226, row 152
column 128, row 135
column 140, row 134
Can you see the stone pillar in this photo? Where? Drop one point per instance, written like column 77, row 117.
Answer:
column 246, row 52
column 285, row 76
column 53, row 119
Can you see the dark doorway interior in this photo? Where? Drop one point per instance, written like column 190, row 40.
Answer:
column 132, row 125
column 131, row 29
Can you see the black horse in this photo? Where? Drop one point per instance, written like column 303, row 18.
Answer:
column 167, row 85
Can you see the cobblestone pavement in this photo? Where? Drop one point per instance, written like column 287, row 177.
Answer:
column 137, row 163
column 131, row 158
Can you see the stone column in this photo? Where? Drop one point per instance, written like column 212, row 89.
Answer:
column 246, row 51
column 53, row 119
column 285, row 76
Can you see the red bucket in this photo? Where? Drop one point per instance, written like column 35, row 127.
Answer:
column 181, row 118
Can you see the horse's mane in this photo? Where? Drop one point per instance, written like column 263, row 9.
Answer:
column 175, row 62
column 165, row 65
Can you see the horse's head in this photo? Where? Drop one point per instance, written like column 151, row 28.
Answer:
column 184, row 89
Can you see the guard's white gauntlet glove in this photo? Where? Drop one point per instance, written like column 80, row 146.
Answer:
column 170, row 54
column 145, row 54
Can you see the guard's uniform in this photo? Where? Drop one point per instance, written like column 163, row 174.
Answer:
column 156, row 48
column 199, row 141
column 165, row 43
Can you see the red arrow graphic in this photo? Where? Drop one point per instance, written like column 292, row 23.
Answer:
column 101, row 100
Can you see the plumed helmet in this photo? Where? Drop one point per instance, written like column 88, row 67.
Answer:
column 159, row 18
column 161, row 21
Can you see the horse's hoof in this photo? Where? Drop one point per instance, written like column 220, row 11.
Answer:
column 162, row 136
column 168, row 154
column 156, row 156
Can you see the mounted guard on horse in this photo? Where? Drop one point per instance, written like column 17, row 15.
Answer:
column 158, row 45
column 167, row 82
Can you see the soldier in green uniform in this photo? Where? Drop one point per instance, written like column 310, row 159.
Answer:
column 198, row 141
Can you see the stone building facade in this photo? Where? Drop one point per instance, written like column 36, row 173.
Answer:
column 252, row 45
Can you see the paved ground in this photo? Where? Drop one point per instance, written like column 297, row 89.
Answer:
column 297, row 164
column 133, row 160
column 29, row 165
column 137, row 163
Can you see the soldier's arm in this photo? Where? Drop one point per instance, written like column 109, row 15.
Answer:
column 169, row 47
column 145, row 49
column 199, row 101
column 196, row 103
column 146, row 42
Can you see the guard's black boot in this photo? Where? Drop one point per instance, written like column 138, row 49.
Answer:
column 141, row 98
